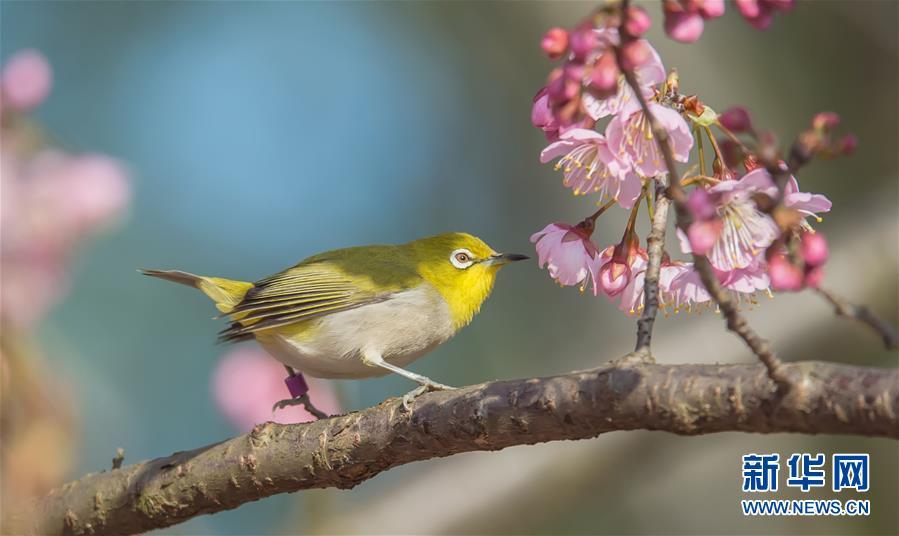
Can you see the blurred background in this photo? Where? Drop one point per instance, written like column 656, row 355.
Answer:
column 239, row 138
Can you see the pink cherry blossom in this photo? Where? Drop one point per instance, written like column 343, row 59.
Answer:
column 630, row 137
column 247, row 382
column 804, row 202
column 542, row 116
column 746, row 231
column 590, row 167
column 51, row 201
column 808, row 204
column 569, row 255
column 680, row 287
column 25, row 81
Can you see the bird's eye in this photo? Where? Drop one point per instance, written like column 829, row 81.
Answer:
column 462, row 258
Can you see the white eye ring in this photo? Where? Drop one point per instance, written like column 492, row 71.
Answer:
column 461, row 258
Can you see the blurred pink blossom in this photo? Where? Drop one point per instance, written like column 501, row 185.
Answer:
column 785, row 276
column 25, row 80
column 51, row 201
column 760, row 13
column 684, row 19
column 247, row 382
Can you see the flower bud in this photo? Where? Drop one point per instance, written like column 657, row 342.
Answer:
column 750, row 9
column 555, row 42
column 614, row 277
column 703, row 235
column 847, row 144
column 784, row 275
column 825, row 121
column 604, row 76
column 635, row 54
column 638, row 21
column 814, row 249
column 710, row 9
column 736, row 119
column 683, row 26
column 583, row 41
column 26, row 79
column 814, row 277
column 700, row 205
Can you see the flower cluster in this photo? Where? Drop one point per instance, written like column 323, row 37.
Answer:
column 685, row 19
column 755, row 233
column 52, row 200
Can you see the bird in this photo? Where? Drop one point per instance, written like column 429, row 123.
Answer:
column 358, row 312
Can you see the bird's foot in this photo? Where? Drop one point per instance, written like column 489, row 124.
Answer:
column 302, row 400
column 409, row 397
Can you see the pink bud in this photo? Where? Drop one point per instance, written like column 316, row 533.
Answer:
column 635, row 54
column 736, row 119
column 541, row 114
column 784, row 275
column 781, row 5
column 710, row 9
column 555, row 42
column 26, row 79
column 604, row 76
column 703, row 235
column 825, row 121
column 700, row 205
column 614, row 277
column 750, row 9
column 583, row 41
column 638, row 21
column 814, row 277
column 685, row 27
column 847, row 144
column 814, row 249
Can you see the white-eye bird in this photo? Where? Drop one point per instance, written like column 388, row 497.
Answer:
column 363, row 311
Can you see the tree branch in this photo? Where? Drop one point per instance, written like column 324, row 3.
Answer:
column 343, row 451
column 864, row 315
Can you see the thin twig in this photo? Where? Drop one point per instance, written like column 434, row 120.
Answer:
column 118, row 458
column 655, row 249
column 864, row 315
column 735, row 321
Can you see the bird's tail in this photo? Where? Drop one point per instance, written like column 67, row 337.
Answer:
column 226, row 293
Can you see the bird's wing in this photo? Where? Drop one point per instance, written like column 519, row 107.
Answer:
column 314, row 288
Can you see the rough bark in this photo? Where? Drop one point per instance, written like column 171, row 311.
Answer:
column 343, row 451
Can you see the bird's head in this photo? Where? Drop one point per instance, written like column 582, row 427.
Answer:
column 462, row 267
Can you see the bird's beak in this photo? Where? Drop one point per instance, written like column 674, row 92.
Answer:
column 505, row 258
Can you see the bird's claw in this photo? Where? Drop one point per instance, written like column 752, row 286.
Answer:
column 300, row 401
column 409, row 397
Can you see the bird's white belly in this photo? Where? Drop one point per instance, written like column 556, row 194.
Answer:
column 401, row 329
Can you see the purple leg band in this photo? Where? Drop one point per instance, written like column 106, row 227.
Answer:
column 296, row 385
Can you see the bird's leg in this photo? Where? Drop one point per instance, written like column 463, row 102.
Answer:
column 426, row 384
column 299, row 392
